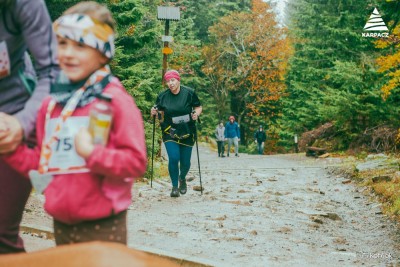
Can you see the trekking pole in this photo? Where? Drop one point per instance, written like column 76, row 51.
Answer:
column 152, row 149
column 198, row 157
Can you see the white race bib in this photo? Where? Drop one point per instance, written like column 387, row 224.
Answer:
column 64, row 158
column 181, row 119
column 4, row 60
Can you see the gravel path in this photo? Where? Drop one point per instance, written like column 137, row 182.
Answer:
column 280, row 210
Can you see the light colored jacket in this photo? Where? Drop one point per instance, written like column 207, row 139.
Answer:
column 220, row 133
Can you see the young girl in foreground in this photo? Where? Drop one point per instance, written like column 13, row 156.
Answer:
column 89, row 189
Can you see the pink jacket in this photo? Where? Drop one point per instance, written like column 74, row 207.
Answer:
column 106, row 189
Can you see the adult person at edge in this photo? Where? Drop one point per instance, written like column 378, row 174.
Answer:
column 179, row 107
column 24, row 25
column 232, row 134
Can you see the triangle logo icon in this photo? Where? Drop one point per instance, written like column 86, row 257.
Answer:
column 375, row 22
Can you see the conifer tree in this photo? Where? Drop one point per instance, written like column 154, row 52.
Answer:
column 332, row 76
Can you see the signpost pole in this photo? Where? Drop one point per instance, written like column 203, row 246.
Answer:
column 165, row 56
column 167, row 13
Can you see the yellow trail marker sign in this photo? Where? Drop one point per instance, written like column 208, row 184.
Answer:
column 167, row 50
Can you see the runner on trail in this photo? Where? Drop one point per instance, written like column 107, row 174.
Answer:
column 232, row 134
column 24, row 25
column 179, row 107
column 89, row 185
column 220, row 137
column 260, row 137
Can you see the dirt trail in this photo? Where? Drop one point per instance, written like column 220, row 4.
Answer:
column 281, row 210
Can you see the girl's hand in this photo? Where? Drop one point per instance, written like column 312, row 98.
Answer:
column 84, row 143
column 11, row 133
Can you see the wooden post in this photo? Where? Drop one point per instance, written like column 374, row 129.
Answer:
column 165, row 56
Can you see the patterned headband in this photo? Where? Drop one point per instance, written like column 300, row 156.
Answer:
column 83, row 29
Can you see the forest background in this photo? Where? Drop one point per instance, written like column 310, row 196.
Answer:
column 307, row 72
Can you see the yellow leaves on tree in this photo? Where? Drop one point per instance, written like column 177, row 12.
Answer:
column 390, row 63
column 270, row 52
column 224, row 58
column 131, row 30
column 248, row 55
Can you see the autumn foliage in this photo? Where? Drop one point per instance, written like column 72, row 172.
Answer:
column 269, row 53
column 247, row 58
column 389, row 64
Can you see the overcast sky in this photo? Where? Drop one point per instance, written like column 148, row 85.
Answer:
column 279, row 6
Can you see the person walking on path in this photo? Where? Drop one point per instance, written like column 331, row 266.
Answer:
column 180, row 107
column 220, row 137
column 260, row 137
column 232, row 134
column 25, row 25
column 89, row 183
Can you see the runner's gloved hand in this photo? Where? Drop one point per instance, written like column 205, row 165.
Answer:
column 154, row 110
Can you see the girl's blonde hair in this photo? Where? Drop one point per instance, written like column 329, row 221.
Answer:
column 94, row 10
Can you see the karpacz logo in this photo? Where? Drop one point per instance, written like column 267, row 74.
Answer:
column 375, row 23
column 375, row 34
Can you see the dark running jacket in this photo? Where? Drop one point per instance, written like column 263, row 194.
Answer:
column 177, row 105
column 260, row 136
